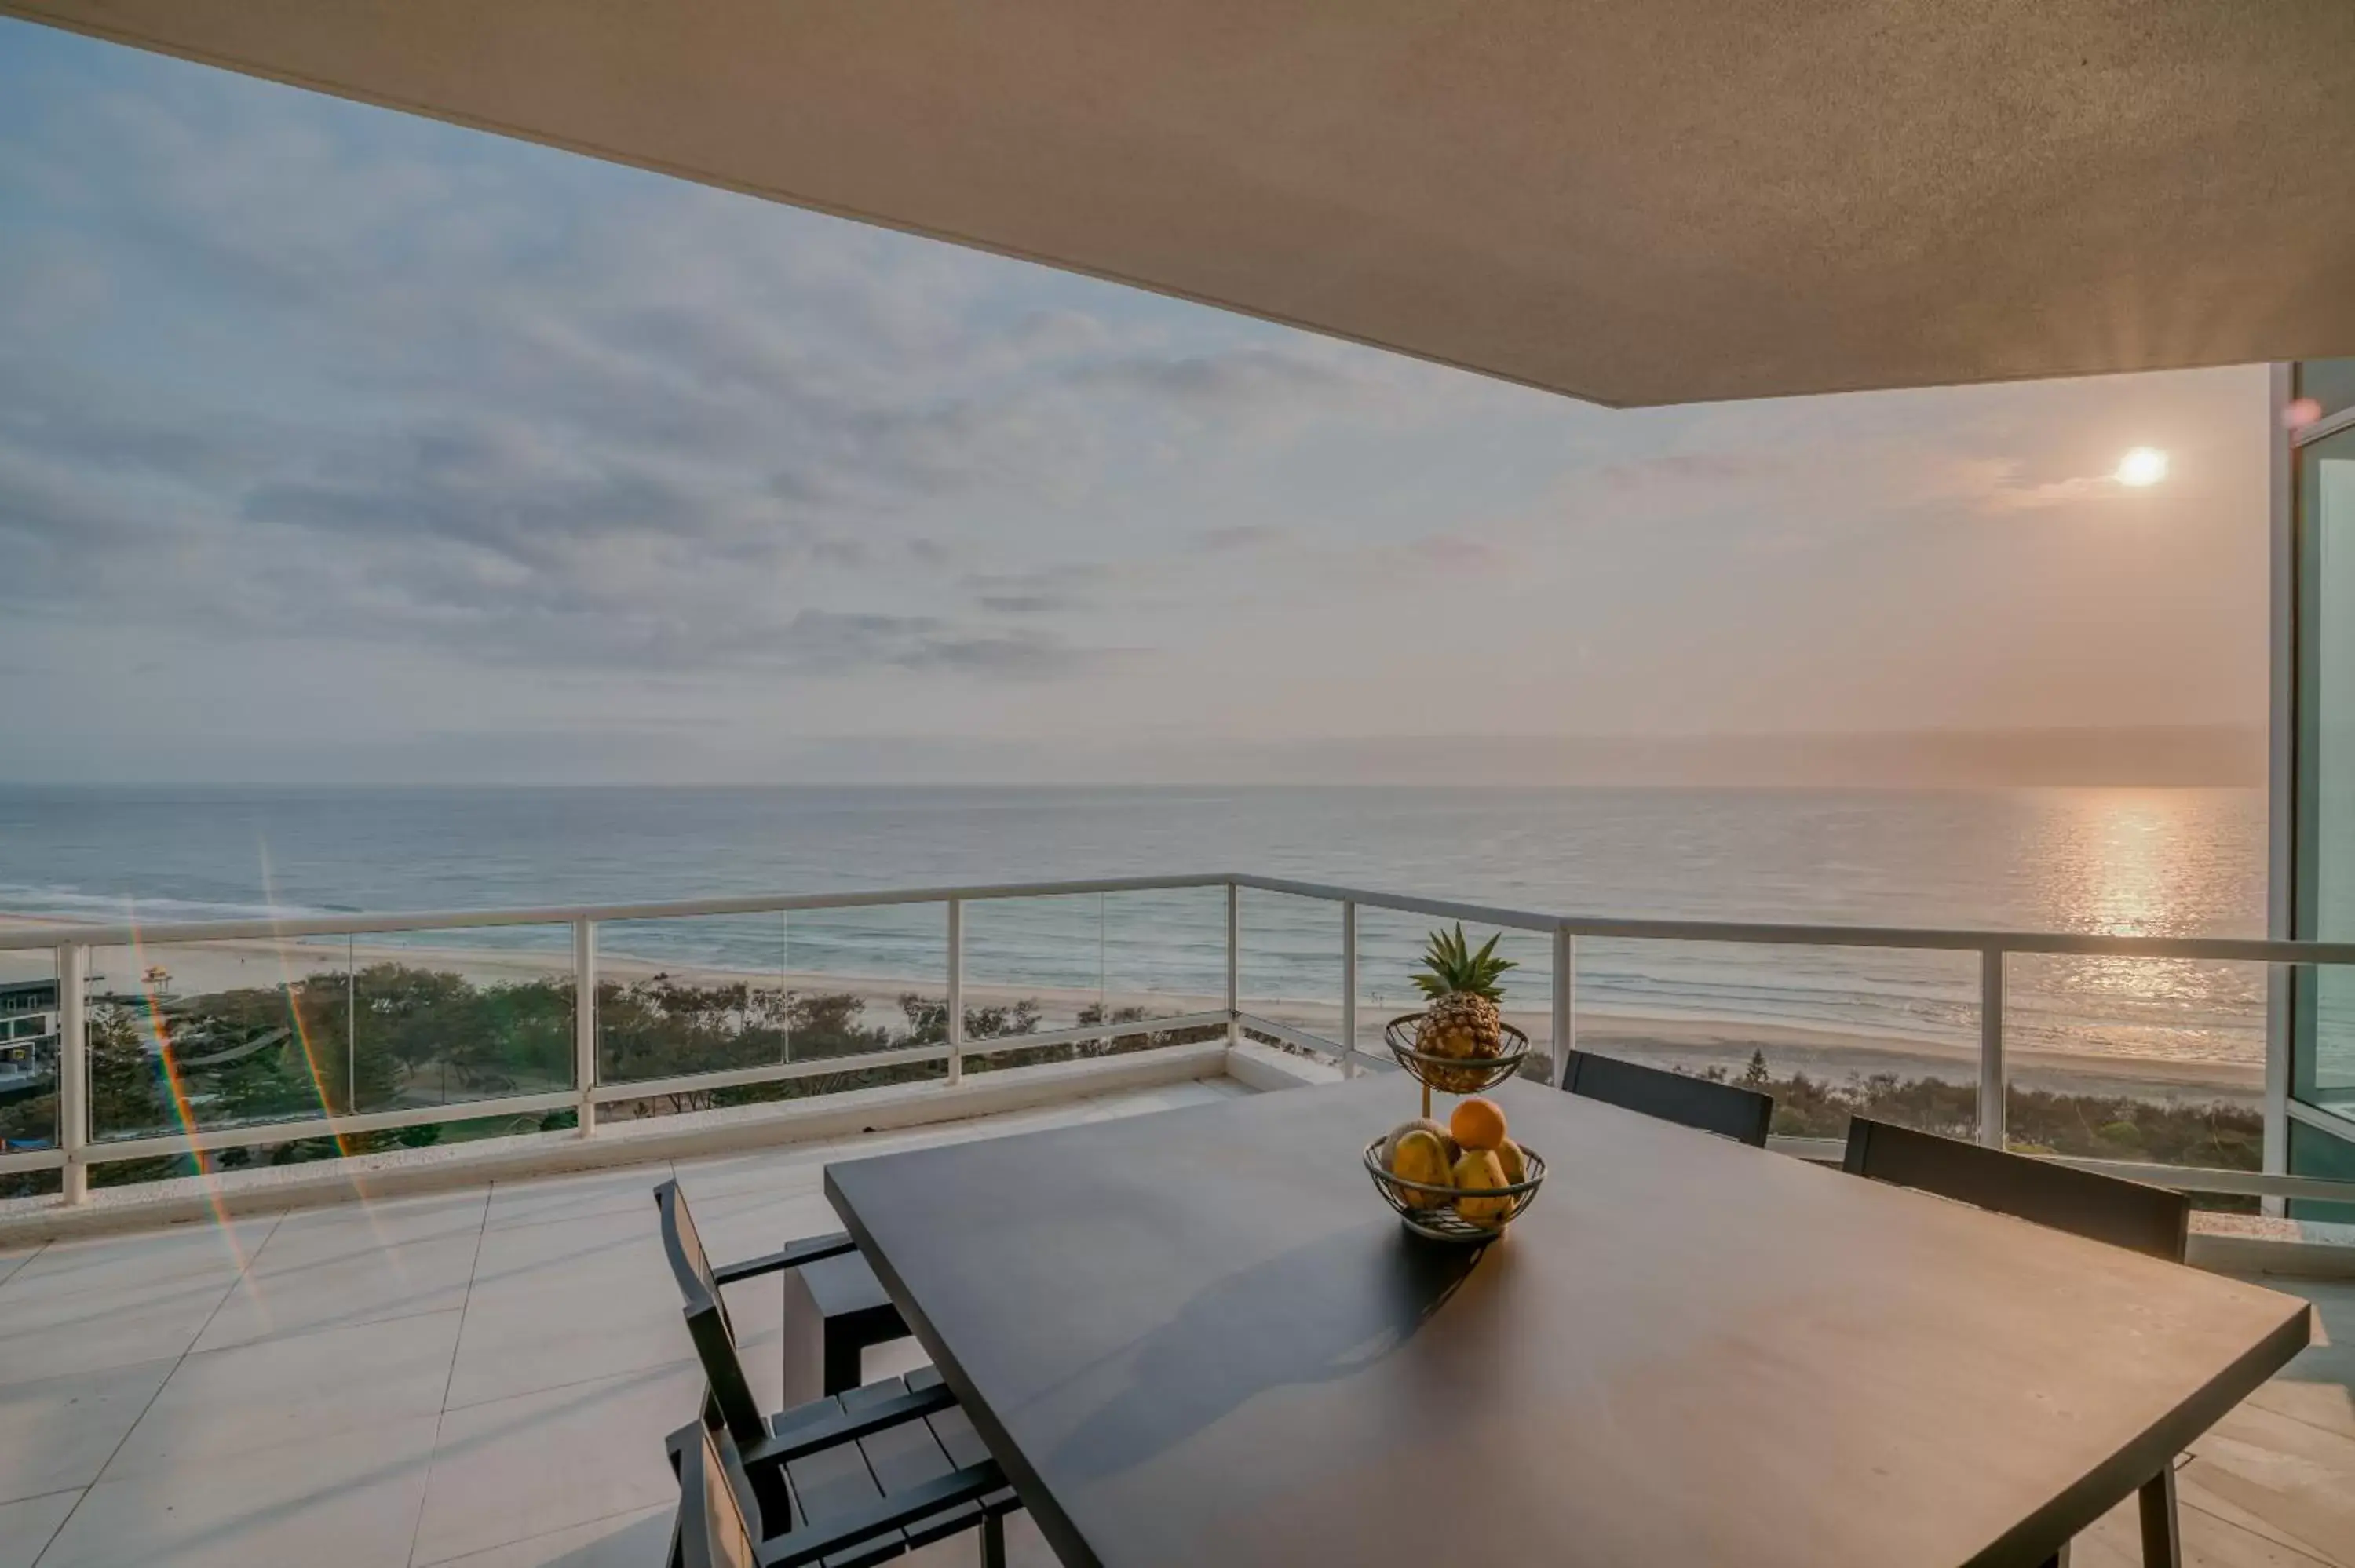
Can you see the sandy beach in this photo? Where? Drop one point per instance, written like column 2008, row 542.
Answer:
column 197, row 967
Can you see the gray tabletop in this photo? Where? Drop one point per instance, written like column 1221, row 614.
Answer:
column 1199, row 1337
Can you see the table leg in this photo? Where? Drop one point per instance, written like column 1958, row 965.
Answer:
column 993, row 1540
column 2162, row 1545
column 844, row 1359
column 805, row 1365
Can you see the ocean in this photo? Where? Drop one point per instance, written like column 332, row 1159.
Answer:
column 2160, row 862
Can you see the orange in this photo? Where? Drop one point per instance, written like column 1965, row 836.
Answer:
column 1477, row 1124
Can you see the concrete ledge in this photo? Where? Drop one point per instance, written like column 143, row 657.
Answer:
column 1265, row 1069
column 696, row 1135
column 2294, row 1259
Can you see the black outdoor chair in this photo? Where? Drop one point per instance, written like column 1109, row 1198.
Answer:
column 866, row 1467
column 835, row 1308
column 2150, row 1220
column 712, row 1530
column 1726, row 1109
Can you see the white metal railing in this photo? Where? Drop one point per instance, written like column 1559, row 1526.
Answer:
column 77, row 1150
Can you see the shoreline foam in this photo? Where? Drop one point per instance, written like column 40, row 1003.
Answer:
column 1692, row 1045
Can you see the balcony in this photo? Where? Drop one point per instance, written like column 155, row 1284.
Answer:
column 252, row 1309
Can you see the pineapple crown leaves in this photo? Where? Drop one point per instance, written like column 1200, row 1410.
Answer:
column 1450, row 964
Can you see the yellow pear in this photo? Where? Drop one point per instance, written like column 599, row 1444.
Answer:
column 1421, row 1158
column 1517, row 1170
column 1480, row 1170
column 1420, row 1124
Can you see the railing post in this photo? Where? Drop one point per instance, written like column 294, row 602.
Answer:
column 1348, row 988
column 73, row 1070
column 1991, row 1075
column 1234, row 966
column 1565, row 1002
column 584, row 1025
column 2281, row 980
column 957, row 992
column 351, row 1026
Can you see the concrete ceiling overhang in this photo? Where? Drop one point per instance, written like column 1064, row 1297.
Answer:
column 1631, row 201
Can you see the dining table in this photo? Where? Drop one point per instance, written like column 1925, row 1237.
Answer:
column 1199, row 1335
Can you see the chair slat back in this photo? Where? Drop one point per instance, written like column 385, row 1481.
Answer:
column 712, row 1532
column 2150, row 1220
column 1726, row 1109
column 731, row 1400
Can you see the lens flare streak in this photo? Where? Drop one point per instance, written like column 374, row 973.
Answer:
column 176, row 1088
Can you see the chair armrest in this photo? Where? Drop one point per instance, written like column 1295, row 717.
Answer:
column 813, row 1543
column 791, row 1255
column 678, row 1442
column 812, row 1437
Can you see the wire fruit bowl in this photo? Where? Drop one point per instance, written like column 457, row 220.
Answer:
column 1431, row 1211
column 1454, row 1074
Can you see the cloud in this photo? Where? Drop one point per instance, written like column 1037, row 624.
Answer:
column 486, row 398
column 1040, row 592
column 828, row 642
column 1689, row 468
column 1237, row 537
column 379, row 381
column 1239, row 378
column 1456, row 551
column 2002, row 486
column 457, row 407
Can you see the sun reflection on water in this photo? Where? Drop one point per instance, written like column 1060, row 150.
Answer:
column 2122, row 863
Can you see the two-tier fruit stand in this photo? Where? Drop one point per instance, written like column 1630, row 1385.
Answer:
column 1430, row 1209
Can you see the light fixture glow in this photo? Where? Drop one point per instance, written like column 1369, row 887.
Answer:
column 2141, row 467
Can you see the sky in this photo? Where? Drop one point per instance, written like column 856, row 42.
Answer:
column 341, row 445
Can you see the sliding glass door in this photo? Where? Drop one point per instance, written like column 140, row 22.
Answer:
column 2321, row 515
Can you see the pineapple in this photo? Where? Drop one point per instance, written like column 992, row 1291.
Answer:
column 1461, row 1021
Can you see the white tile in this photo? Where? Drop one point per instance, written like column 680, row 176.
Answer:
column 293, row 1390
column 10, row 1262
column 26, row 1526
column 624, row 1190
column 48, row 1334
column 2334, row 1306
column 59, row 1431
column 517, row 1469
column 198, row 1250
column 623, row 1247
column 553, row 1304
column 528, row 1350
column 343, row 1288
column 770, row 1173
column 2298, row 1477
column 2192, row 1496
column 350, row 1499
column 343, row 1230
column 748, row 1224
column 2206, row 1542
column 634, row 1540
column 2317, row 1388
column 757, row 1308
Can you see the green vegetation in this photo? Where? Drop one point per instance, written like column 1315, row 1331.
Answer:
column 396, row 1037
column 1093, row 1015
column 399, row 1037
column 2214, row 1133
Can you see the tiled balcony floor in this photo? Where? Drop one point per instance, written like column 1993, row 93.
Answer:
column 483, row 1377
